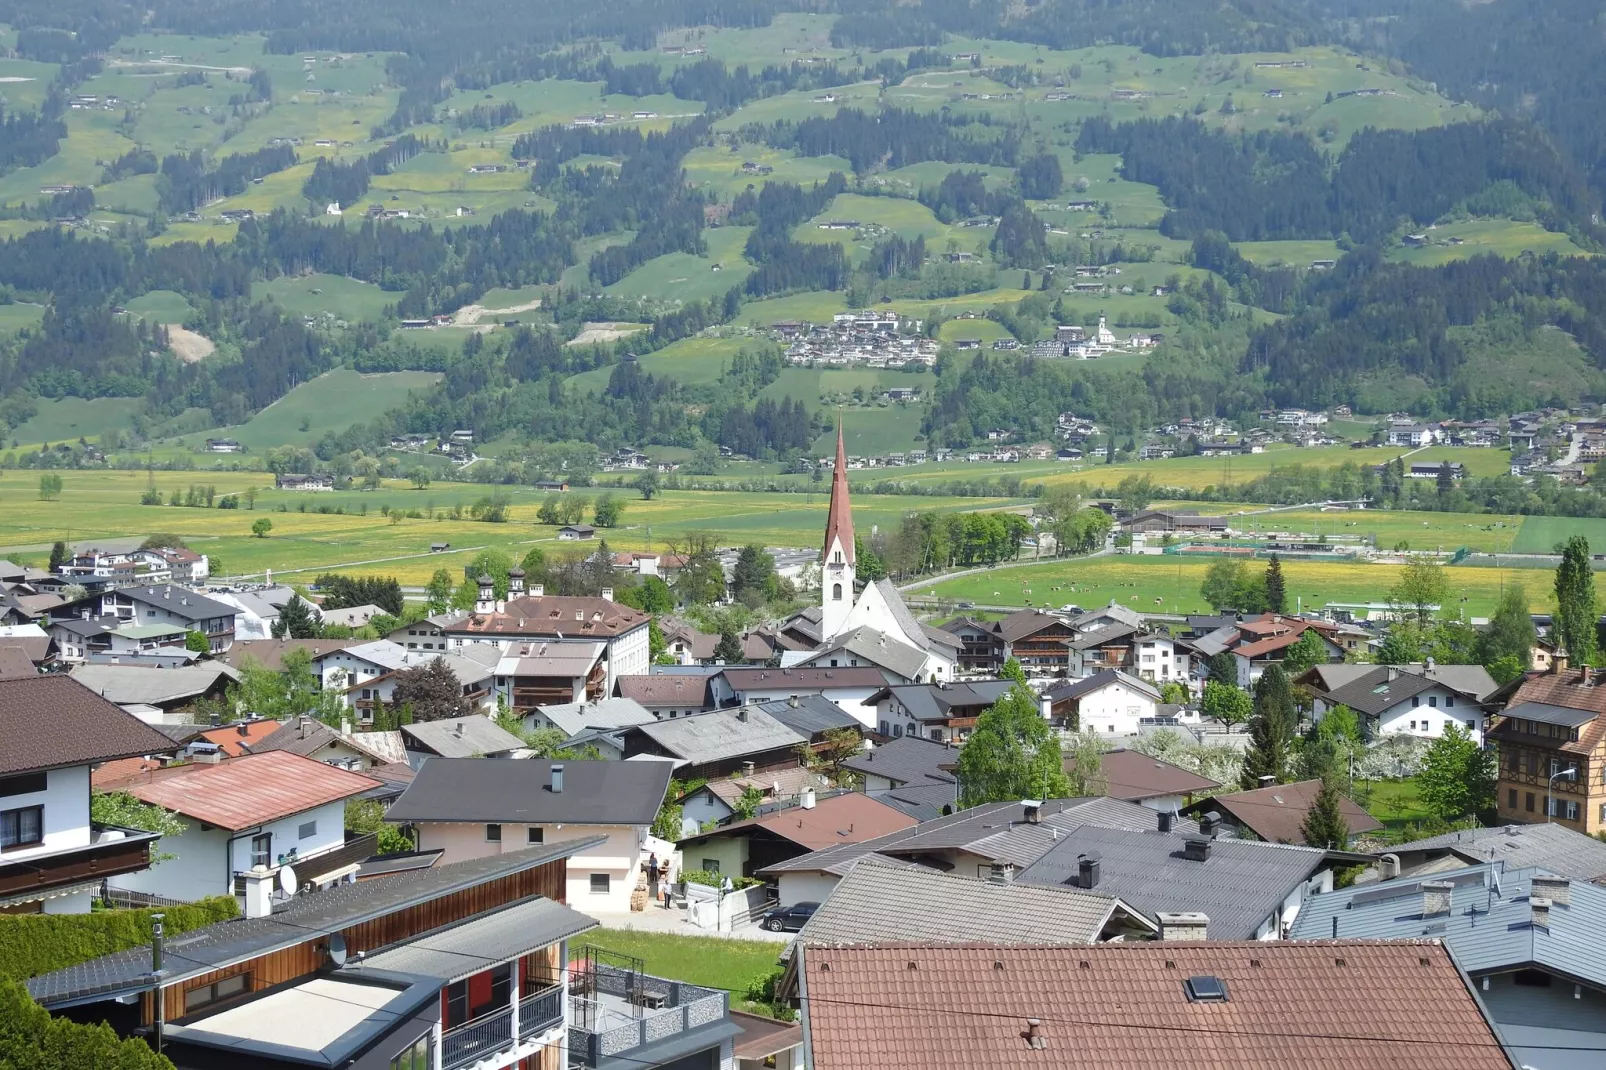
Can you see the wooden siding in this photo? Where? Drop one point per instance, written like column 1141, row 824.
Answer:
column 305, row 959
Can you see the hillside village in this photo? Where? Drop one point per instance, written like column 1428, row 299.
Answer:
column 418, row 837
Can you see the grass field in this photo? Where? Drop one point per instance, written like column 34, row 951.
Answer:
column 332, row 402
column 1396, row 803
column 1170, row 584
column 684, row 277
column 20, row 315
column 1541, row 534
column 61, row 419
column 161, row 306
column 710, row 961
column 1477, row 237
column 1198, row 472
column 328, row 295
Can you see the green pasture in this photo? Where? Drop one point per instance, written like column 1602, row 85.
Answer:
column 24, row 83
column 1198, row 472
column 333, row 401
column 803, row 104
column 1170, row 584
column 719, row 167
column 984, row 330
column 161, row 306
column 91, row 139
column 135, row 195
column 684, row 277
column 1297, row 254
column 20, row 316
column 68, row 419
column 1542, row 534
column 328, row 295
column 789, row 36
column 1476, row 237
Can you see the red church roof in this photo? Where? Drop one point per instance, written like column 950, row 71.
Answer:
column 839, row 522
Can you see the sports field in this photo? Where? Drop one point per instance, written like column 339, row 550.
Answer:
column 1542, row 534
column 1169, row 584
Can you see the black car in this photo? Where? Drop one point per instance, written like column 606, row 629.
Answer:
column 789, row 919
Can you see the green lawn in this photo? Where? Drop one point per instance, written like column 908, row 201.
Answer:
column 1396, row 803
column 1479, row 236
column 20, row 315
column 161, row 306
column 710, row 961
column 1541, row 534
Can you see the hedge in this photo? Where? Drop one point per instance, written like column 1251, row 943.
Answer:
column 32, row 944
column 31, row 1039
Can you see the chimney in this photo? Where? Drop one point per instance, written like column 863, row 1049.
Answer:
column 747, row 768
column 1001, row 872
column 1034, row 1034
column 1196, row 849
column 258, row 892
column 1087, row 870
column 1183, row 925
column 557, row 779
column 1540, row 907
column 1558, row 662
column 1556, row 889
column 741, row 715
column 1210, row 824
column 1167, row 819
column 607, row 594
column 806, row 800
column 1436, row 898
column 459, row 732
column 243, row 729
column 303, row 725
column 1032, row 810
column 794, row 702
column 1388, row 867
column 345, row 726
column 1392, row 674
column 515, row 583
column 537, row 590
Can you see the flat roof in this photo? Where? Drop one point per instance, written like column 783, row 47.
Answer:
column 311, row 1015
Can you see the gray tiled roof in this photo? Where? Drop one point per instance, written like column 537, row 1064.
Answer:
column 932, row 702
column 812, row 715
column 519, row 791
column 907, row 760
column 719, row 734
column 1549, row 846
column 457, row 951
column 461, row 737
column 884, row 651
column 129, row 685
column 302, row 919
column 1238, row 887
column 923, row 802
column 574, row 717
column 1097, row 682
column 877, row 903
column 1489, row 925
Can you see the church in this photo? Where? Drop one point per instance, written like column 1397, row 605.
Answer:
column 863, row 627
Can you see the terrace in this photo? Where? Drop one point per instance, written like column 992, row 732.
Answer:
column 615, row 1008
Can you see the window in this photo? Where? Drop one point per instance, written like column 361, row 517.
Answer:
column 936, row 734
column 1528, row 801
column 600, row 882
column 262, row 850
column 711, row 865
column 1514, row 762
column 1571, row 813
column 1470, row 727
column 1415, row 701
column 897, row 730
column 885, row 729
column 1449, row 702
column 26, row 784
column 307, row 831
column 23, row 827
column 1511, row 798
column 1555, row 766
column 836, row 592
column 1433, row 701
column 415, row 1057
column 493, row 833
column 1413, row 726
column 206, row 995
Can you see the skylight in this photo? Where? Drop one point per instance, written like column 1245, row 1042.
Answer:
column 1206, row 989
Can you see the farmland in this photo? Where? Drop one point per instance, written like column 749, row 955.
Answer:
column 332, row 402
column 1170, row 584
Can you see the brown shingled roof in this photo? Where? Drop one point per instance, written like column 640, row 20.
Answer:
column 1401, row 1004
column 555, row 615
column 47, row 722
column 1567, row 689
column 1276, row 813
column 15, row 664
column 1133, row 776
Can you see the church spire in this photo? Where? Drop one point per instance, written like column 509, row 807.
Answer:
column 839, row 522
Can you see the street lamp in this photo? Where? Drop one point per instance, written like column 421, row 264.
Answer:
column 1571, row 773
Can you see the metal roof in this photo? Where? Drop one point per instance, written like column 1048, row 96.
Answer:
column 907, row 760
column 519, row 791
column 462, row 737
column 1548, row 846
column 249, row 790
column 457, row 951
column 304, row 918
column 1545, row 713
column 1489, row 925
column 877, row 903
column 1239, row 886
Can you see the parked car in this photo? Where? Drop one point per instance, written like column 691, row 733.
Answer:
column 789, row 919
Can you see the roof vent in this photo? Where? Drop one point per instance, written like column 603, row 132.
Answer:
column 1210, row 824
column 1197, row 849
column 1034, row 1034
column 1205, row 989
column 1167, row 819
column 557, row 779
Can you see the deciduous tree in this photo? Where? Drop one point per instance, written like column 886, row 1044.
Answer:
column 1458, row 776
column 1013, row 753
column 432, row 691
column 1576, row 612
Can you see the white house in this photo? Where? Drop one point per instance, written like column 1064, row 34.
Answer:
column 1418, row 700
column 277, row 810
column 849, row 686
column 1108, row 702
column 474, row 807
column 366, row 674
column 52, row 855
column 1160, row 659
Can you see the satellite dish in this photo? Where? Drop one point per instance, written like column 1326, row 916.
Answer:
column 337, row 949
column 287, row 881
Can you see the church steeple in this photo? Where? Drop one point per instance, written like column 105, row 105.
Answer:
column 838, row 557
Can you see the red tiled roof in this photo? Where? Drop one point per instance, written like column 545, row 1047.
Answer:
column 249, row 790
column 47, row 722
column 1567, row 689
column 852, row 817
column 839, row 521
column 107, row 777
column 553, row 616
column 1397, row 1004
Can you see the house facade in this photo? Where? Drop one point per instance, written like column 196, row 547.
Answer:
column 1551, row 742
column 1109, row 702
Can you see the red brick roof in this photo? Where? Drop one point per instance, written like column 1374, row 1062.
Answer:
column 247, row 791
column 1402, row 1005
column 47, row 722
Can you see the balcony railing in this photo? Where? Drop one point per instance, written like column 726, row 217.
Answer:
column 492, row 1033
column 632, row 1010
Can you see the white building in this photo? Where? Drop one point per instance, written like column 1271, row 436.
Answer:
column 1108, row 702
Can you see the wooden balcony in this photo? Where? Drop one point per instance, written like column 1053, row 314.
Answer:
column 110, row 852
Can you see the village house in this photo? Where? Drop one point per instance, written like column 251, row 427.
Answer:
column 745, row 847
column 1422, row 699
